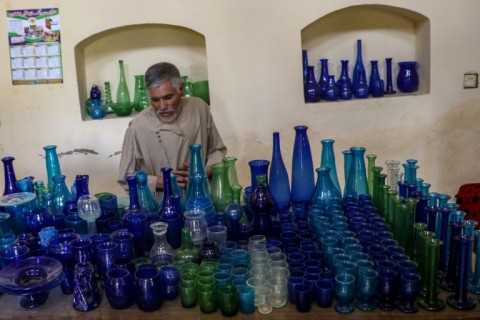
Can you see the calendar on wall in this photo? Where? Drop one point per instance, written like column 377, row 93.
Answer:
column 34, row 43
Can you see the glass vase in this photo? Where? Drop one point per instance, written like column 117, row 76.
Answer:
column 230, row 161
column 344, row 84
column 86, row 294
column 187, row 251
column 10, row 179
column 200, row 200
column 305, row 66
column 262, row 204
column 442, row 234
column 331, row 90
column 53, row 165
column 474, row 283
column 347, row 162
column 407, row 78
column 123, row 105
column 257, row 167
column 359, row 78
column 221, row 193
column 234, row 214
column 303, row 185
column 108, row 101
column 370, row 165
column 325, row 190
column 279, row 183
column 430, row 300
column 140, row 98
column 197, row 225
column 328, row 160
column 196, row 167
column 26, row 184
column 311, row 89
column 376, row 85
column 323, row 81
column 460, row 300
column 161, row 249
column 357, row 183
column 169, row 212
column 388, row 67
column 134, row 203
column 449, row 283
column 61, row 192
column 145, row 196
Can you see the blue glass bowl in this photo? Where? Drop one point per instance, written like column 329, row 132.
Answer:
column 31, row 278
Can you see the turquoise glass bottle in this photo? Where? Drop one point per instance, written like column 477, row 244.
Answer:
column 325, row 189
column 328, row 160
column 145, row 196
column 53, row 165
column 196, row 167
column 279, row 183
column 357, row 183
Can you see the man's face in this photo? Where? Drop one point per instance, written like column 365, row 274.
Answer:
column 166, row 101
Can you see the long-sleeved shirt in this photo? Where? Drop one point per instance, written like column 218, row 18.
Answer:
column 150, row 145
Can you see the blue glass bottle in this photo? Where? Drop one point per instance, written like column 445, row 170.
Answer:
column 262, row 205
column 359, row 78
column 10, row 179
column 376, row 85
column 305, row 66
column 257, row 167
column 344, row 84
column 145, row 196
column 279, row 183
column 331, row 90
column 134, row 204
column 169, row 213
column 328, row 160
column 389, row 87
column 357, row 183
column 53, row 165
column 303, row 185
column 311, row 89
column 234, row 214
column 323, row 81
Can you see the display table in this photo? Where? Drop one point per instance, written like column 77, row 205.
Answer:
column 59, row 306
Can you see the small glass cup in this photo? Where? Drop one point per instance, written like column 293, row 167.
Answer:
column 262, row 299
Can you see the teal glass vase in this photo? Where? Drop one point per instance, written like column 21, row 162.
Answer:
column 328, row 160
column 53, row 165
column 196, row 167
column 61, row 192
column 357, row 183
column 145, row 197
column 325, row 189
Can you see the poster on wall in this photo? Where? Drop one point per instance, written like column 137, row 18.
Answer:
column 34, row 43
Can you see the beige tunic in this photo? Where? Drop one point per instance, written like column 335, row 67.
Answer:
column 150, row 145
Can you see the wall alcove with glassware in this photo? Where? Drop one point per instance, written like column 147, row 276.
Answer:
column 139, row 46
column 385, row 32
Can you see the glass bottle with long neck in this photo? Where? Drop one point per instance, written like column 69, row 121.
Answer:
column 145, row 196
column 262, row 205
column 279, row 183
column 328, row 160
column 10, row 179
column 169, row 212
column 230, row 161
column 357, row 177
column 303, row 184
column 134, row 205
column 234, row 214
column 221, row 193
column 53, row 165
column 123, row 95
column 61, row 192
column 196, row 167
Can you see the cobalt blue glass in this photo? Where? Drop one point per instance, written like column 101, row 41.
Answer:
column 331, row 90
column 74, row 221
column 366, row 289
column 82, row 250
column 407, row 78
column 107, row 252
column 13, row 253
column 102, row 222
column 345, row 292
column 324, row 292
column 409, row 291
column 303, row 297
column 147, row 289
column 10, row 179
column 344, row 83
column 60, row 249
column 389, row 86
column 86, row 295
column 257, row 167
column 124, row 239
column 291, row 283
column 311, row 89
column 387, row 289
column 137, row 225
column 359, row 78
column 170, row 281
column 376, row 85
column 323, row 81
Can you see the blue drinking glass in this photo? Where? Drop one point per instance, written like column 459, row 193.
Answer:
column 137, row 225
column 387, row 289
column 124, row 239
column 107, row 252
column 147, row 289
column 170, row 282
column 118, row 284
column 324, row 292
column 13, row 253
column 345, row 292
column 409, row 290
column 303, row 297
column 292, row 282
column 74, row 221
column 59, row 248
column 82, row 249
column 366, row 289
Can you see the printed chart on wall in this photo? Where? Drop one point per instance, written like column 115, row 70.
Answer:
column 34, row 42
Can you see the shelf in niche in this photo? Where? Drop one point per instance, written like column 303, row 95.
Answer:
column 385, row 31
column 139, row 46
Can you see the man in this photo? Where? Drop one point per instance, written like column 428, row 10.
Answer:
column 160, row 136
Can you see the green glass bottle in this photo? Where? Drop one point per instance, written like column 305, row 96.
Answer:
column 382, row 200
column 123, row 105
column 431, row 302
column 373, row 181
column 108, row 102
column 370, row 173
column 221, row 193
column 391, row 194
column 187, row 251
column 230, row 161
column 141, row 99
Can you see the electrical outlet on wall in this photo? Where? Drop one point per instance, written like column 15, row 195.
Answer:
column 470, row 80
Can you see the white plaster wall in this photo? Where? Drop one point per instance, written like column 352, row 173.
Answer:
column 254, row 69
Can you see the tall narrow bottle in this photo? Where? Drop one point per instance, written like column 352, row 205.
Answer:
column 10, row 179
column 123, row 105
column 328, row 160
column 357, row 183
column 196, row 167
column 53, row 165
column 303, row 184
column 279, row 183
column 140, row 99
